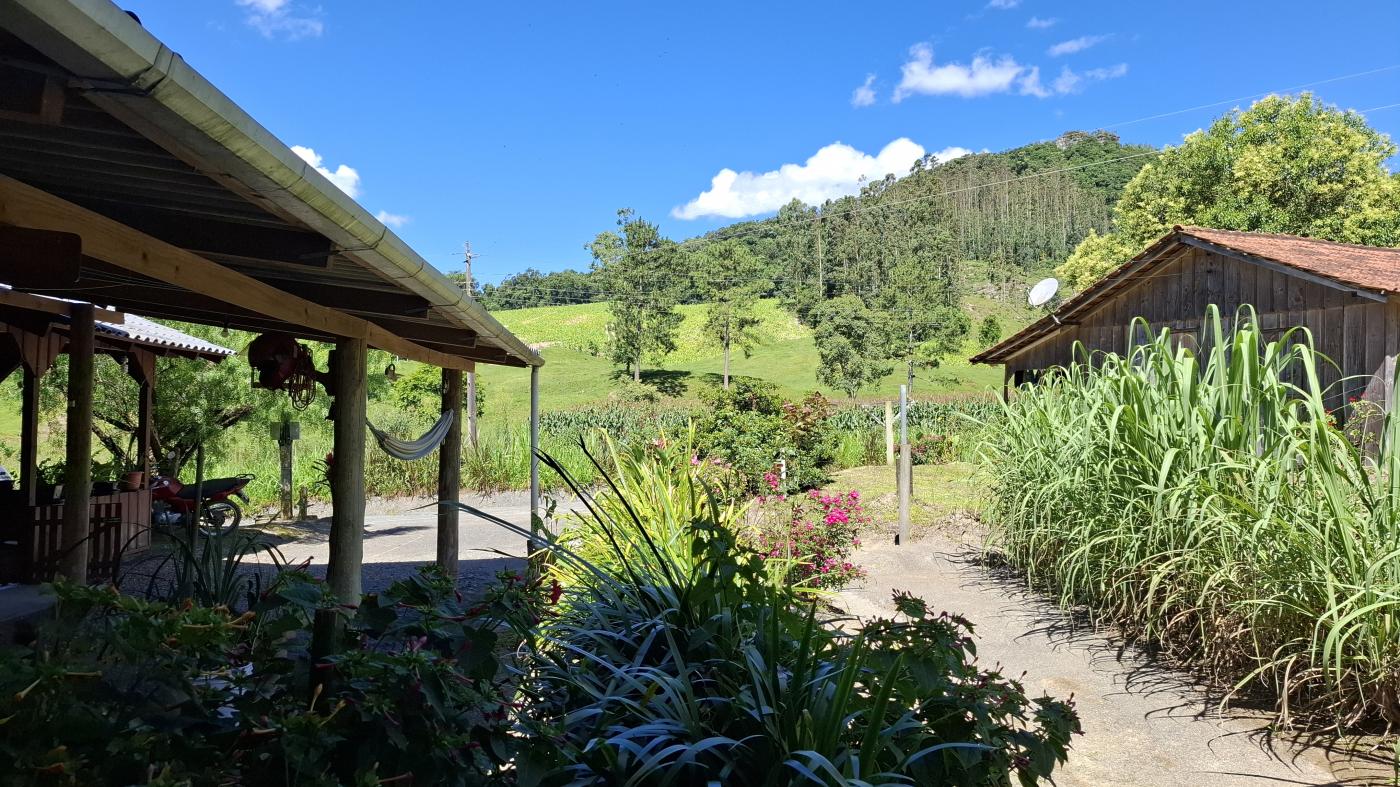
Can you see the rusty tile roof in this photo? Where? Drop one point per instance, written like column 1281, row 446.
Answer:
column 1371, row 268
column 1367, row 267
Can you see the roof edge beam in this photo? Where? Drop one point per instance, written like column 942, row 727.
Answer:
column 124, row 247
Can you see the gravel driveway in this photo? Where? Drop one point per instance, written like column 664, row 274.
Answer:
column 1144, row 724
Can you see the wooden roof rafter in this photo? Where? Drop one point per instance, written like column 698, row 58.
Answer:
column 124, row 247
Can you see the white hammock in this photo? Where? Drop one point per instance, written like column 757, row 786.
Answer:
column 409, row 450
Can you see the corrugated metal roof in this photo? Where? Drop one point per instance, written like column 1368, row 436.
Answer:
column 140, row 329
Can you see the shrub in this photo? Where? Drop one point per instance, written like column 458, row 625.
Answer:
column 752, row 428
column 124, row 691
column 700, row 665
column 933, row 449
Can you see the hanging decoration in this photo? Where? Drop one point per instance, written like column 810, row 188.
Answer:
column 281, row 363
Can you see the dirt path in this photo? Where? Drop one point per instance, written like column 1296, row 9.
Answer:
column 1143, row 724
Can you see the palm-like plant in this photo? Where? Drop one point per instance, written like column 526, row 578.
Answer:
column 675, row 655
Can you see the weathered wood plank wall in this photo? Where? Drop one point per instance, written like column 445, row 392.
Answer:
column 1360, row 336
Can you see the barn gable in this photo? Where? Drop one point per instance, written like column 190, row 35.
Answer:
column 1344, row 294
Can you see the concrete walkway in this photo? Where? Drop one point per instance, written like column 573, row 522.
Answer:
column 398, row 542
column 1143, row 724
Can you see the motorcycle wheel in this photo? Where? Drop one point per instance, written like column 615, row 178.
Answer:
column 222, row 515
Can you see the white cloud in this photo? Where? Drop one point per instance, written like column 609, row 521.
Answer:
column 1075, row 45
column 1036, row 23
column 1112, row 72
column 1071, row 82
column 343, row 176
column 1003, row 5
column 278, row 18
column 864, row 95
column 1030, row 84
column 1068, row 81
column 981, row 77
column 392, row 219
column 834, row 171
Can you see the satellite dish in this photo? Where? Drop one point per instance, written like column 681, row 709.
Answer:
column 1043, row 291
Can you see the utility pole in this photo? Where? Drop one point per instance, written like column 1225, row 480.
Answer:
column 471, row 376
column 905, row 472
column 909, row 352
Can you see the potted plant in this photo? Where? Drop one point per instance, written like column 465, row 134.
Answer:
column 133, row 480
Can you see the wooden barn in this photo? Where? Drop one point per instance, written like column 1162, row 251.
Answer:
column 1346, row 295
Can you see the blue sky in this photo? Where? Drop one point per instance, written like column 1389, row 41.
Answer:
column 525, row 127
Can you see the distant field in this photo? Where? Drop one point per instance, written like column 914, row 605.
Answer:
column 573, row 375
column 584, row 328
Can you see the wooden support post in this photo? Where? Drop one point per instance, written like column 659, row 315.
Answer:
column 77, row 482
column 450, row 472
column 905, row 475
column 534, row 454
column 144, row 408
column 345, row 563
column 346, row 558
column 29, row 437
column 471, row 408
column 889, row 434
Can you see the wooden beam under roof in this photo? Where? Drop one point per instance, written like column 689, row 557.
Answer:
column 23, row 300
column 125, row 247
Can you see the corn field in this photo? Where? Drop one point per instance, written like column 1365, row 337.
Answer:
column 1209, row 504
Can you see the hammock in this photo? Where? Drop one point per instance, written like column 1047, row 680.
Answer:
column 409, row 450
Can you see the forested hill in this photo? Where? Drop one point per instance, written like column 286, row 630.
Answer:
column 1018, row 210
column 1027, row 206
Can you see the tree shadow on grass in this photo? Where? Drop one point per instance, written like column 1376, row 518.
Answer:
column 667, row 382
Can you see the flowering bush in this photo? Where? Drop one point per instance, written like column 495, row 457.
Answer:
column 818, row 530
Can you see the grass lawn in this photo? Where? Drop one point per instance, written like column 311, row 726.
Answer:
column 940, row 492
column 575, row 375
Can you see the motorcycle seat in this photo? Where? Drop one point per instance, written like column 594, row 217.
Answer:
column 212, row 486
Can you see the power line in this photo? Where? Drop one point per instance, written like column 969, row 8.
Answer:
column 765, row 227
column 1344, row 77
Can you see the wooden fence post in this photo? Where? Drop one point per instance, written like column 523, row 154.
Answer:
column 889, row 434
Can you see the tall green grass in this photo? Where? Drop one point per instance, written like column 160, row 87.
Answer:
column 1209, row 504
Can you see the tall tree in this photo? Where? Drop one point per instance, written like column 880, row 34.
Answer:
column 729, row 276
column 636, row 267
column 1288, row 165
column 921, row 295
column 852, row 343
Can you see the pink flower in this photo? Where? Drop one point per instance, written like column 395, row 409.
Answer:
column 694, row 461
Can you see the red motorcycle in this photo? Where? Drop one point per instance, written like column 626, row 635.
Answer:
column 172, row 502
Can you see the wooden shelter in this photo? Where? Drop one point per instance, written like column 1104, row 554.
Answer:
column 34, row 331
column 128, row 179
column 1344, row 294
